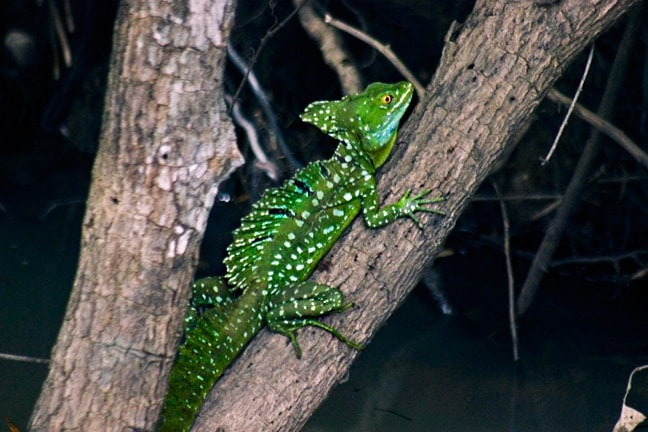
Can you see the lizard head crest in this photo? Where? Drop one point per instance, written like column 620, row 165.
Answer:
column 369, row 118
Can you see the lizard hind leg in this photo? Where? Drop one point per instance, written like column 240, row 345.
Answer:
column 297, row 307
column 206, row 293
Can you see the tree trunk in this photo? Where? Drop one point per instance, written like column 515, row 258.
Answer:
column 495, row 70
column 165, row 146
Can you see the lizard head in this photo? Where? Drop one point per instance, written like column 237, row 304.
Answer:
column 368, row 120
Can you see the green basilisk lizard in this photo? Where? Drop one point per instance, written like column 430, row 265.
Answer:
column 281, row 241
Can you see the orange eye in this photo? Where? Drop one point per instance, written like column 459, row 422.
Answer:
column 387, row 99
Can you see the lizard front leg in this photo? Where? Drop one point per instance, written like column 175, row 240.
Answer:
column 407, row 206
column 296, row 307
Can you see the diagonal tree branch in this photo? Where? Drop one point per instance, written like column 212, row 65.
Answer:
column 495, row 70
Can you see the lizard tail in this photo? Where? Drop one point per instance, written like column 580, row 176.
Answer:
column 209, row 348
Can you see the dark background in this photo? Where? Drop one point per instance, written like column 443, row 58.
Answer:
column 427, row 370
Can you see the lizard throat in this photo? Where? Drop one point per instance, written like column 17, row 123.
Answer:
column 379, row 156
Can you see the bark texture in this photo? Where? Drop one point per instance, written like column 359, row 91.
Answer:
column 166, row 144
column 495, row 70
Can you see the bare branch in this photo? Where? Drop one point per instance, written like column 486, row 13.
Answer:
column 509, row 274
column 581, row 173
column 332, row 48
column 571, row 106
column 383, row 49
column 614, row 133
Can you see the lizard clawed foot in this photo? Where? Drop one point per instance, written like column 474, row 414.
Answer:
column 417, row 203
column 288, row 328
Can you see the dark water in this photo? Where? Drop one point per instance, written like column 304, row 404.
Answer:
column 425, row 373
column 38, row 263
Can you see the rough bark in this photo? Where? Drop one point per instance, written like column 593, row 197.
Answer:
column 495, row 70
column 166, row 144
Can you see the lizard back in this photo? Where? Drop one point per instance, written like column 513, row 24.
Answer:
column 291, row 227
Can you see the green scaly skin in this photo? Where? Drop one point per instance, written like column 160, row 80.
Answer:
column 281, row 241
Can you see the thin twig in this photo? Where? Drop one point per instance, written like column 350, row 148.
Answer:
column 614, row 133
column 571, row 106
column 60, row 33
column 20, row 358
column 263, row 162
column 12, row 427
column 271, row 32
column 509, row 274
column 533, row 197
column 597, row 259
column 69, row 17
column 265, row 105
column 383, row 49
